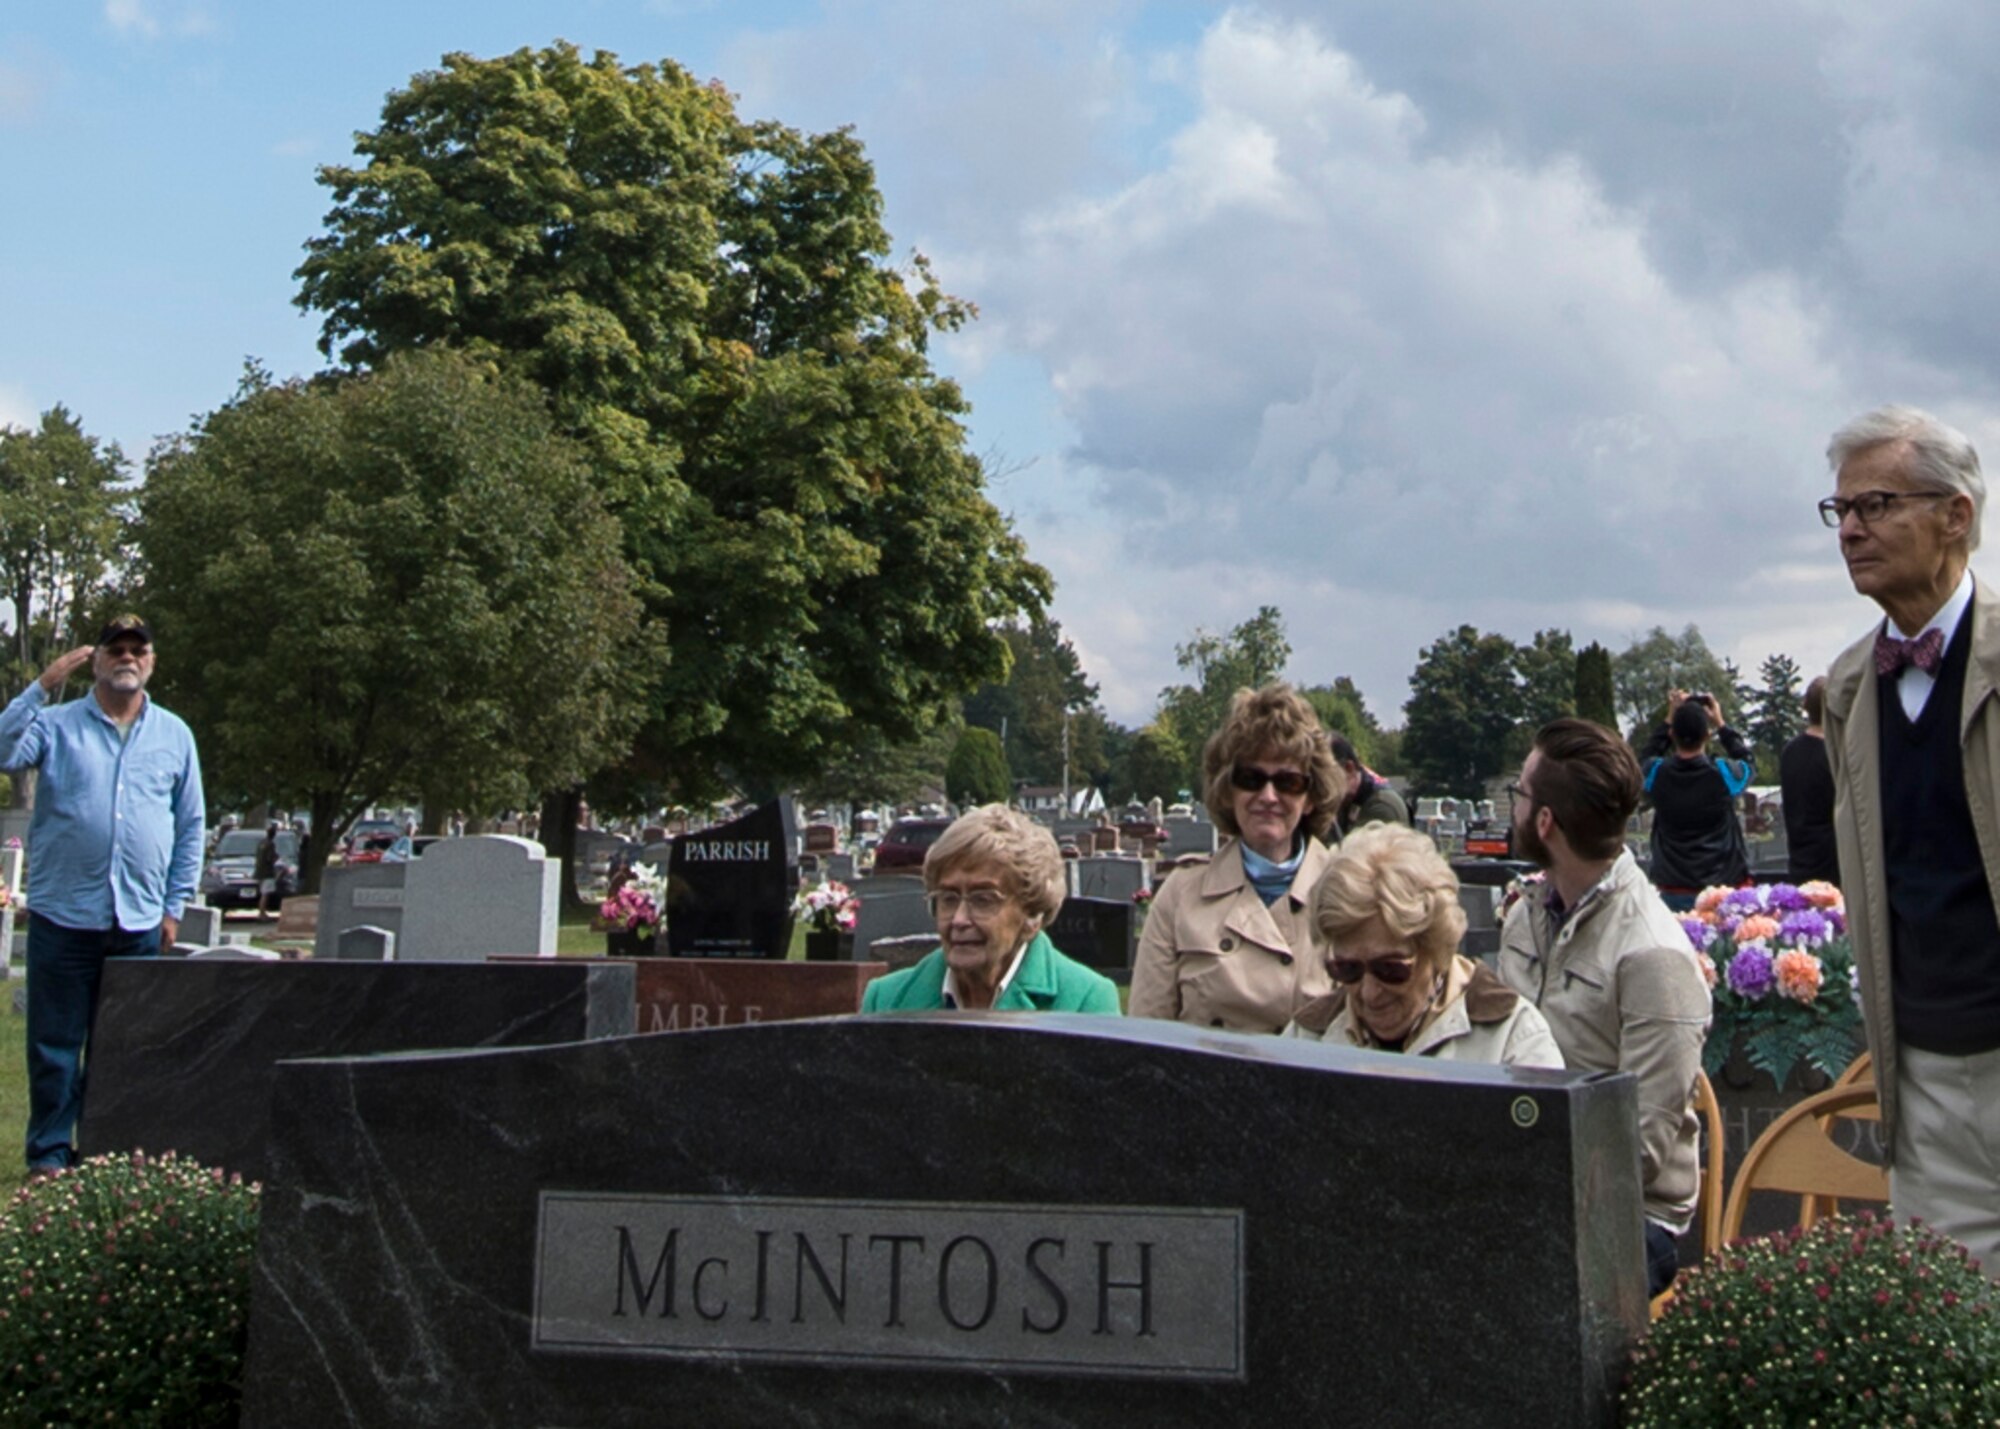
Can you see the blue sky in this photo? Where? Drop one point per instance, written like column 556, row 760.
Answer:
column 1393, row 316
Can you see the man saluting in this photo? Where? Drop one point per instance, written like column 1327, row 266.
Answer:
column 114, row 850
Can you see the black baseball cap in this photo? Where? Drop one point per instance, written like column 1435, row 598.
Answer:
column 127, row 624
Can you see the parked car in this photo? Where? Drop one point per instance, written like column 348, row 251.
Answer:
column 377, row 848
column 406, row 848
column 364, row 830
column 229, row 879
column 907, row 842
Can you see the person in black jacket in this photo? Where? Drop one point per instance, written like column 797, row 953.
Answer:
column 1697, row 840
column 1806, row 777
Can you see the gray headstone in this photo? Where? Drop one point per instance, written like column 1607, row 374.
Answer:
column 919, row 1219
column 200, row 926
column 183, row 1049
column 840, row 867
column 366, row 945
column 476, row 897
column 1108, row 877
column 359, row 895
column 1186, row 836
column 233, row 952
column 891, row 915
column 897, row 953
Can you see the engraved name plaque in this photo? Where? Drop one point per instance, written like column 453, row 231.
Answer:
column 1135, row 1291
column 378, row 898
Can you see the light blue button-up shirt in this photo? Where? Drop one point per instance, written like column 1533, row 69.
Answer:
column 115, row 840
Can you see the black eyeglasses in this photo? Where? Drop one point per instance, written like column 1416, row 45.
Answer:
column 1392, row 971
column 1872, row 506
column 1250, row 779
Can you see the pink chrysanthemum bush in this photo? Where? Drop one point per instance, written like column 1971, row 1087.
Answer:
column 1858, row 1321
column 126, row 1284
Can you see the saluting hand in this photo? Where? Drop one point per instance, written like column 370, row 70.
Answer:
column 63, row 666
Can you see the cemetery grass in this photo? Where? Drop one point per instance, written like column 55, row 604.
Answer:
column 13, row 1100
column 578, row 940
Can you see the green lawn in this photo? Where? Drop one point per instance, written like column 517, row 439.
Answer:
column 13, row 1093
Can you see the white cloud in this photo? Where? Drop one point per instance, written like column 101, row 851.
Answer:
column 16, row 410
column 131, row 17
column 20, row 93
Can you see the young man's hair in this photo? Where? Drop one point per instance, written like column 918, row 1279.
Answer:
column 1589, row 779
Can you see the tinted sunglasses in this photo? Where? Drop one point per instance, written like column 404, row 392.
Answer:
column 1392, row 971
column 1250, row 779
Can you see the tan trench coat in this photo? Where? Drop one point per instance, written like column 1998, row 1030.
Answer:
column 1213, row 955
column 1477, row 1018
column 1853, row 746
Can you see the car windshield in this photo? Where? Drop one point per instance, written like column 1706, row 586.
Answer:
column 917, row 835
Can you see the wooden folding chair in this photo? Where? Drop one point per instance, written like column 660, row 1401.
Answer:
column 1861, row 1069
column 1708, row 1200
column 1796, row 1155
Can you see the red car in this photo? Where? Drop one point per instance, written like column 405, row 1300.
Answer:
column 907, row 843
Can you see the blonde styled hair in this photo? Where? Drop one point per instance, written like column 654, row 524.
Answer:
column 1276, row 718
column 1024, row 854
column 1394, row 873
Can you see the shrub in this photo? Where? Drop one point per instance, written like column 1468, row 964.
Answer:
column 1857, row 1321
column 126, row 1284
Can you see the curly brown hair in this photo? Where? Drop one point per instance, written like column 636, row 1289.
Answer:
column 1278, row 719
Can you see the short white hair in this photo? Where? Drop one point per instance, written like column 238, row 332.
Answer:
column 1941, row 456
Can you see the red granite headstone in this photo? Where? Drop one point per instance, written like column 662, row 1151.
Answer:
column 682, row 994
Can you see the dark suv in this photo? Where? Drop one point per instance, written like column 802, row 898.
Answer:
column 907, row 843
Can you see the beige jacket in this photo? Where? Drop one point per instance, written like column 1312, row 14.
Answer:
column 1477, row 1018
column 1212, row 954
column 1853, row 746
column 1622, row 992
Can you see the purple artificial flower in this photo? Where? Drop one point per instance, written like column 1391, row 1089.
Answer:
column 1743, row 901
column 1750, row 973
column 1836, row 919
column 1808, row 928
column 1699, row 934
column 1786, row 898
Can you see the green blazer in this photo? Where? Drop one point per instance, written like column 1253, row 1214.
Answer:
column 1047, row 982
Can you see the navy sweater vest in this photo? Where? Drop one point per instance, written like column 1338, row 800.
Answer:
column 1945, row 939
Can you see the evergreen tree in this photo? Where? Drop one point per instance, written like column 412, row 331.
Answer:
column 1595, row 698
column 976, row 773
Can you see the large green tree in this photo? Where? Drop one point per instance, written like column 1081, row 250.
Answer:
column 1466, row 698
column 396, row 584
column 1776, row 713
column 1045, row 690
column 709, row 306
column 60, row 526
column 1647, row 669
column 1252, row 654
column 1596, row 696
column 977, row 773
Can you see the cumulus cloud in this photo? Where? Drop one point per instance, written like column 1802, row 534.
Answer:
column 1402, row 317
column 16, row 410
column 131, row 17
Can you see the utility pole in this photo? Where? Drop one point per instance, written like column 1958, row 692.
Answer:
column 1068, row 812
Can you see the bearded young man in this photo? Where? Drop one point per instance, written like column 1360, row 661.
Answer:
column 1607, row 964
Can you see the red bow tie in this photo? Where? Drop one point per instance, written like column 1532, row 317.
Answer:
column 1926, row 652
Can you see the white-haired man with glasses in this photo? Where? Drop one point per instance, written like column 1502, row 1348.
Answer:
column 1913, row 736
column 994, row 880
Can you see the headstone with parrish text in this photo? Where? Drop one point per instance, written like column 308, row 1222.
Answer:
column 964, row 1219
column 729, row 887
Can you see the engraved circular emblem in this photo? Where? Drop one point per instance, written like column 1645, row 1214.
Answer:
column 1526, row 1112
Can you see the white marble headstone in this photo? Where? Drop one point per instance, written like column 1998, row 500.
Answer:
column 478, row 897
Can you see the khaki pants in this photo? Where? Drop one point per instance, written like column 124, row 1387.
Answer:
column 1947, row 1167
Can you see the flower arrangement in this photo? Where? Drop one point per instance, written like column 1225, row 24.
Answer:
column 1857, row 1321
column 1519, row 888
column 1143, row 897
column 128, row 1291
column 1781, row 967
column 828, row 907
column 634, row 905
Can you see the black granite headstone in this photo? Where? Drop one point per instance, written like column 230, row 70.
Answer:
column 944, row 1220
column 182, row 1052
column 729, row 888
column 1098, row 933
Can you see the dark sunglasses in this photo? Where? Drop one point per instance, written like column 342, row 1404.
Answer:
column 1250, row 779
column 1393, row 971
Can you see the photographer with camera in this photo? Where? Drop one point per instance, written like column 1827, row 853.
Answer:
column 1697, row 838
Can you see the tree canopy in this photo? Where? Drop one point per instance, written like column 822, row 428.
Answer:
column 1466, row 699
column 1045, row 683
column 60, row 528
column 1650, row 667
column 402, row 583
column 709, row 306
column 977, row 770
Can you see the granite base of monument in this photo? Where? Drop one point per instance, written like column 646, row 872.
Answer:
column 972, row 1220
column 182, row 1052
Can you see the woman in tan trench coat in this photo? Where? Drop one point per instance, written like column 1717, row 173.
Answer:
column 1230, row 943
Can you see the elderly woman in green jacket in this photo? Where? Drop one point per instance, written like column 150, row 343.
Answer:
column 995, row 880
